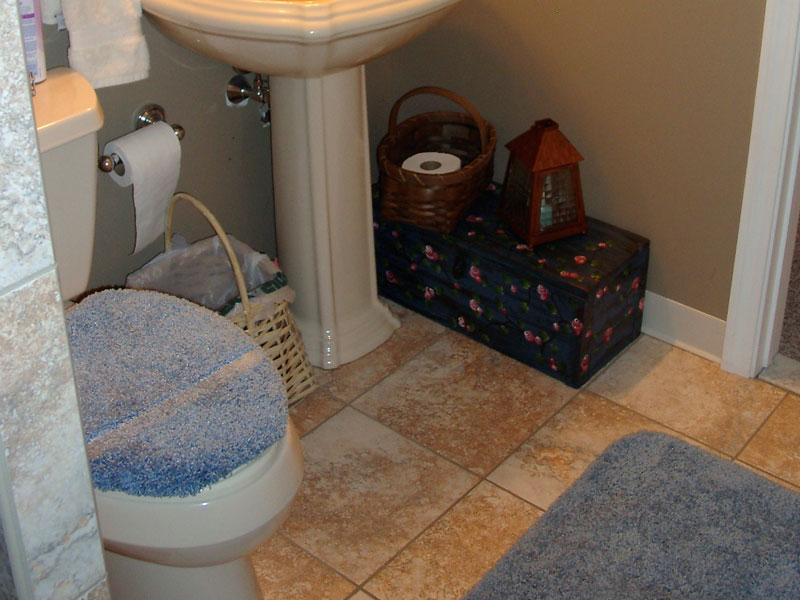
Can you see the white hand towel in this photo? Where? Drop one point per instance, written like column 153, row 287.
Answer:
column 50, row 11
column 106, row 42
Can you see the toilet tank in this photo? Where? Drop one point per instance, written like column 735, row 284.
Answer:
column 68, row 116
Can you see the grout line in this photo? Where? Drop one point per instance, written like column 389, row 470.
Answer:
column 421, row 533
column 433, row 339
column 761, row 425
column 769, row 476
column 480, row 478
column 317, row 558
column 28, row 279
column 416, row 443
column 326, row 419
column 533, row 433
column 671, row 429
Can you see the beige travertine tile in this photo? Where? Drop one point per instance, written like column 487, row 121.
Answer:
column 313, row 410
column 350, row 380
column 556, row 455
column 285, row 572
column 99, row 592
column 689, row 394
column 465, row 401
column 783, row 372
column 454, row 553
column 361, row 595
column 48, row 474
column 367, row 492
column 776, row 447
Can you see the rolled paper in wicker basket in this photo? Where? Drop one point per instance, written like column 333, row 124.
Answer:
column 276, row 333
column 435, row 201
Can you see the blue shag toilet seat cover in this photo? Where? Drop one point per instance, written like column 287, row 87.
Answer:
column 173, row 397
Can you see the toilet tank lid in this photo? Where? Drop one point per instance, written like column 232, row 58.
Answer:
column 65, row 108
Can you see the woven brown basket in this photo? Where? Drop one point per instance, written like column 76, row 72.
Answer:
column 435, row 201
column 277, row 333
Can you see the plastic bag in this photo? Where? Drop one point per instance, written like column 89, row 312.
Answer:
column 201, row 272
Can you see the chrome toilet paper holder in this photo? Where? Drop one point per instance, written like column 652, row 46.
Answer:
column 147, row 115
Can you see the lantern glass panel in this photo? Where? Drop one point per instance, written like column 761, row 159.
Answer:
column 558, row 204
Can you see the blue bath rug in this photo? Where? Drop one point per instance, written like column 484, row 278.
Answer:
column 654, row 517
column 172, row 396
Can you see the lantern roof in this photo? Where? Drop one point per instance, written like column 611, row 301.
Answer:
column 544, row 147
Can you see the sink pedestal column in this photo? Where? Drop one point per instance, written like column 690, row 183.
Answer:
column 323, row 214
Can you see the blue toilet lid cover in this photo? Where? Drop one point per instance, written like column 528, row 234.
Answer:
column 173, row 397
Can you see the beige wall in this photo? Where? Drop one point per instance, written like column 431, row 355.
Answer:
column 657, row 96
column 225, row 156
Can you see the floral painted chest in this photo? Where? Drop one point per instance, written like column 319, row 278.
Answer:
column 565, row 307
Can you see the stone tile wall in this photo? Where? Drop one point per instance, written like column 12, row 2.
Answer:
column 46, row 499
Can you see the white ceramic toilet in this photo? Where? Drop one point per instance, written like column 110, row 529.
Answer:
column 171, row 547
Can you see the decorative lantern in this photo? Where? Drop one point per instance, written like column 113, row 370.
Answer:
column 542, row 199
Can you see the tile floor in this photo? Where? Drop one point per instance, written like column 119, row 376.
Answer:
column 783, row 372
column 428, row 457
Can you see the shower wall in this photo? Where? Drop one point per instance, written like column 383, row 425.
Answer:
column 7, row 589
column 46, row 494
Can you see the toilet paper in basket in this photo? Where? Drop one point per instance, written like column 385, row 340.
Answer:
column 152, row 159
column 432, row 163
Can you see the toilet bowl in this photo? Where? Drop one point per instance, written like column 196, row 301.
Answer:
column 178, row 517
column 197, row 547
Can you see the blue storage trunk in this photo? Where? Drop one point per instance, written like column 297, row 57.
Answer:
column 565, row 307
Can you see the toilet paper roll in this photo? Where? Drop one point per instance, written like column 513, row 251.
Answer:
column 432, row 163
column 152, row 159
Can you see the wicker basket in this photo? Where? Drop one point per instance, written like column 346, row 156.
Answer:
column 435, row 201
column 277, row 334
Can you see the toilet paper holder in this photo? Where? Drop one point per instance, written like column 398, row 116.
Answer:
column 147, row 115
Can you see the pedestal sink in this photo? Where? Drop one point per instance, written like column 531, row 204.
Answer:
column 314, row 52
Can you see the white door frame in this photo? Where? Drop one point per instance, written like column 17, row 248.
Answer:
column 769, row 213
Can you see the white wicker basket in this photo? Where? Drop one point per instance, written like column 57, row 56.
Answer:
column 277, row 333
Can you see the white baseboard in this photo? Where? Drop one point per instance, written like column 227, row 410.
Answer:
column 683, row 327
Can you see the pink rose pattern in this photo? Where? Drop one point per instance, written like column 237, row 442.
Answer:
column 544, row 293
column 577, row 326
column 475, row 273
column 537, row 310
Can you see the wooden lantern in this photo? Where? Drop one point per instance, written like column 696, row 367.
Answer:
column 542, row 199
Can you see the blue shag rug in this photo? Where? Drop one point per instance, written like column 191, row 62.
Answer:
column 654, row 517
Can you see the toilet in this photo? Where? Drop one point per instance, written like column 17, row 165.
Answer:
column 194, row 460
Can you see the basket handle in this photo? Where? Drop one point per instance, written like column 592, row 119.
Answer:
column 226, row 243
column 463, row 102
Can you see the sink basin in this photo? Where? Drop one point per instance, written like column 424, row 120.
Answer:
column 314, row 53
column 294, row 37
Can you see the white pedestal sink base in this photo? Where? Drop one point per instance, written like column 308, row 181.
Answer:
column 320, row 146
column 323, row 214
